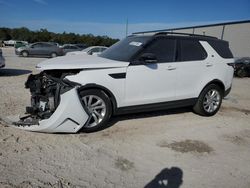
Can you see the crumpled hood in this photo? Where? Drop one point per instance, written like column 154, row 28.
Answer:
column 81, row 61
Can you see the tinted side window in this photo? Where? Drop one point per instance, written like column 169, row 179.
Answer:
column 222, row 48
column 191, row 50
column 102, row 49
column 44, row 45
column 66, row 47
column 163, row 48
column 95, row 50
column 38, row 45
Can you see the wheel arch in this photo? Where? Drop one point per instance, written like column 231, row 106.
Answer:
column 216, row 82
column 105, row 90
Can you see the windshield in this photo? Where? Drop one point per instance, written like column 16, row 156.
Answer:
column 125, row 49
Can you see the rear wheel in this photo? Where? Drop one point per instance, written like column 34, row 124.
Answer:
column 99, row 109
column 209, row 101
column 53, row 54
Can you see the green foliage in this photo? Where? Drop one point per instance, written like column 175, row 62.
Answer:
column 5, row 34
column 43, row 35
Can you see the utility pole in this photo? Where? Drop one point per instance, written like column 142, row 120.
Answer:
column 127, row 27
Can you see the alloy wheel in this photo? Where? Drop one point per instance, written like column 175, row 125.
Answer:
column 96, row 108
column 211, row 101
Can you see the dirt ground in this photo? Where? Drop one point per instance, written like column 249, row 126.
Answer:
column 176, row 148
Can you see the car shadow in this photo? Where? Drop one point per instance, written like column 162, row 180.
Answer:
column 141, row 115
column 13, row 72
column 35, row 56
column 167, row 178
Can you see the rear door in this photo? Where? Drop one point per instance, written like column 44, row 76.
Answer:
column 154, row 82
column 47, row 49
column 192, row 68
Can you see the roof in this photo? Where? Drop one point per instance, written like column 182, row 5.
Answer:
column 177, row 35
column 192, row 27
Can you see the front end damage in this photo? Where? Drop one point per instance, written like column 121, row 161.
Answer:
column 55, row 104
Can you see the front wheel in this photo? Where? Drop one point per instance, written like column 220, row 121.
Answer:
column 99, row 108
column 209, row 101
column 25, row 54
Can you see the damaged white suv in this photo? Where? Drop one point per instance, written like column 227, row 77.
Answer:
column 139, row 73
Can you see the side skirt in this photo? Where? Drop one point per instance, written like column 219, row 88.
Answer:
column 156, row 106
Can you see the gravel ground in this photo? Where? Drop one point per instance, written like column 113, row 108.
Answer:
column 175, row 148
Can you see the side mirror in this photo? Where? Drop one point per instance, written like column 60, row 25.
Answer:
column 148, row 58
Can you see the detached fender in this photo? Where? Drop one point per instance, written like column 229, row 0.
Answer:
column 69, row 116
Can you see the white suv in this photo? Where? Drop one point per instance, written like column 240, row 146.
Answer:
column 139, row 73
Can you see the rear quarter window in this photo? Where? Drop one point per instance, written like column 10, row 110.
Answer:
column 222, row 48
column 191, row 50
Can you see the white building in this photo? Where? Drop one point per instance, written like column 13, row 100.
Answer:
column 236, row 33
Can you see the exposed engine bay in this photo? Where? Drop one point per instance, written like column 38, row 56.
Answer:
column 46, row 90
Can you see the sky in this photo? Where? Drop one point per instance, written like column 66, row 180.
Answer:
column 108, row 17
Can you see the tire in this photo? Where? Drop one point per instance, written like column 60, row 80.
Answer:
column 241, row 73
column 53, row 54
column 25, row 54
column 99, row 106
column 209, row 101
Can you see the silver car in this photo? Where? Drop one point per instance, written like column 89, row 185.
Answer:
column 40, row 49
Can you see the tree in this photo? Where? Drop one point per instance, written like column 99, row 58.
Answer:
column 43, row 35
column 5, row 34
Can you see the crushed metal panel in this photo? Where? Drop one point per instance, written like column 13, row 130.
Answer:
column 69, row 116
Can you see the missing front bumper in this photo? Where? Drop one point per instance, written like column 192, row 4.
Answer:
column 69, row 117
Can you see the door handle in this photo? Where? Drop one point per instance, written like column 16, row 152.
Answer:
column 171, row 68
column 209, row 64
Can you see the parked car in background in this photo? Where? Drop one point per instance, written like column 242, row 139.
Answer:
column 19, row 44
column 41, row 49
column 92, row 50
column 2, row 60
column 54, row 43
column 82, row 46
column 242, row 67
column 9, row 42
column 70, row 48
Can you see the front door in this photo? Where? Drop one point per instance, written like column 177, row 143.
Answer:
column 152, row 82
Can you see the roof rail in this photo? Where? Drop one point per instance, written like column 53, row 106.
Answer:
column 184, row 34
